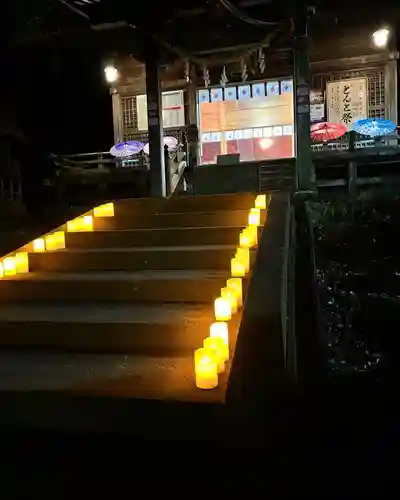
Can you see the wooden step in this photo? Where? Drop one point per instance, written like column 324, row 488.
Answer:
column 219, row 218
column 149, row 237
column 184, row 204
column 201, row 286
column 122, row 375
column 159, row 329
column 215, row 257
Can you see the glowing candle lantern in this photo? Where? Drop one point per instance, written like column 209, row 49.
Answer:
column 216, row 344
column 50, row 242
column 220, row 329
column 106, row 210
column 253, row 232
column 261, row 202
column 10, row 266
column 39, row 245
column 245, row 239
column 243, row 255
column 254, row 217
column 222, row 309
column 235, row 284
column 22, row 262
column 238, row 269
column 228, row 294
column 1, row 270
column 87, row 223
column 205, row 368
column 72, row 226
column 59, row 240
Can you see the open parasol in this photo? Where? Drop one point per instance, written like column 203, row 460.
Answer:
column 169, row 141
column 126, row 149
column 327, row 131
column 374, row 127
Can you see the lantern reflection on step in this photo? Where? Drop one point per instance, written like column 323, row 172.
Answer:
column 222, row 309
column 216, row 344
column 22, row 262
column 206, row 368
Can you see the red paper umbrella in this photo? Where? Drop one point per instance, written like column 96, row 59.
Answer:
column 326, row 131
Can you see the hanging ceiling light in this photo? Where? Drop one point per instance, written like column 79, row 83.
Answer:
column 381, row 38
column 111, row 74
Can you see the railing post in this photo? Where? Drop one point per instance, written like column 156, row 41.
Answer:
column 167, row 164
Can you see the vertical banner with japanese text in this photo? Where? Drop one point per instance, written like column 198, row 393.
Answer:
column 347, row 101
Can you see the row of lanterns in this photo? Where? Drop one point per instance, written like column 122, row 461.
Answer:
column 209, row 360
column 18, row 263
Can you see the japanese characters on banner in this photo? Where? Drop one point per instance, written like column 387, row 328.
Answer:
column 347, row 101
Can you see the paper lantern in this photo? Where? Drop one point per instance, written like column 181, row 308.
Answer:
column 39, row 245
column 228, row 294
column 206, row 368
column 261, row 202
column 1, row 270
column 22, row 262
column 222, row 309
column 216, row 344
column 80, row 224
column 10, row 266
column 106, row 210
column 55, row 241
column 220, row 329
column 243, row 255
column 248, row 237
column 236, row 285
column 254, row 217
column 238, row 269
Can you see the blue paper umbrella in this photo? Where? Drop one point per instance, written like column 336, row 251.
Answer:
column 126, row 149
column 374, row 127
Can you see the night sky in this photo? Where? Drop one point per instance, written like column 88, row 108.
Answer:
column 58, row 98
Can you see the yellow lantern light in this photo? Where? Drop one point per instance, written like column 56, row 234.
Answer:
column 220, row 329
column 245, row 239
column 72, row 226
column 216, row 344
column 22, row 262
column 59, row 240
column 1, row 270
column 238, row 269
column 222, row 309
column 10, row 266
column 106, row 210
column 80, row 224
column 261, row 202
column 254, row 217
column 50, row 242
column 226, row 293
column 205, row 368
column 248, row 237
column 243, row 255
column 236, row 286
column 39, row 245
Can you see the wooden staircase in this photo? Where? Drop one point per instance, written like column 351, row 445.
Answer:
column 120, row 311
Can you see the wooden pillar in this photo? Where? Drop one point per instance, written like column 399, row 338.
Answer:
column 155, row 124
column 117, row 117
column 304, row 167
